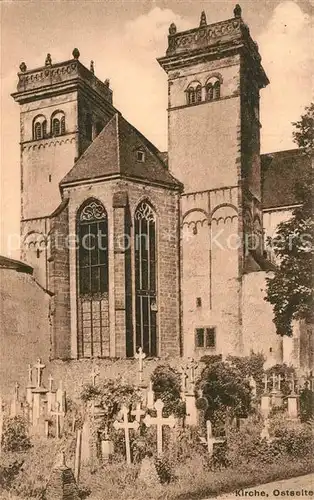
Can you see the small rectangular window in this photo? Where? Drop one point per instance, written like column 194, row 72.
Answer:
column 140, row 156
column 205, row 338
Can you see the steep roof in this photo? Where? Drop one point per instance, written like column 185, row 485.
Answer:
column 17, row 265
column 113, row 152
column 280, row 172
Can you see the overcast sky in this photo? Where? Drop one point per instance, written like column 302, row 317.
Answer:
column 124, row 38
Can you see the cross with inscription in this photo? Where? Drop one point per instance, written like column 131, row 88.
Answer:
column 126, row 426
column 140, row 355
column 39, row 367
column 138, row 412
column 159, row 421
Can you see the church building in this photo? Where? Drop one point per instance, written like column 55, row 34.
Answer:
column 133, row 247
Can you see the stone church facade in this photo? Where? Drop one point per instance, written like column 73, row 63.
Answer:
column 136, row 247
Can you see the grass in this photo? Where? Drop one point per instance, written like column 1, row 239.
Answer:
column 118, row 482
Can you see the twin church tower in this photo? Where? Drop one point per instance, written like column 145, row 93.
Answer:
column 181, row 242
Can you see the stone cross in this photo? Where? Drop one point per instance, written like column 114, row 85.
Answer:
column 159, row 421
column 16, row 391
column 138, row 412
column 211, row 440
column 57, row 413
column 50, row 380
column 150, row 396
column 126, row 426
column 184, row 376
column 292, row 384
column 280, row 379
column 39, row 367
column 274, row 378
column 192, row 365
column 265, row 382
column 94, row 375
column 140, row 355
column 30, row 375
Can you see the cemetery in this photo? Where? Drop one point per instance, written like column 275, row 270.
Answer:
column 183, row 432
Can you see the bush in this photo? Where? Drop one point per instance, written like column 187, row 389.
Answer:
column 9, row 469
column 250, row 366
column 167, row 387
column 306, row 405
column 227, row 392
column 15, row 434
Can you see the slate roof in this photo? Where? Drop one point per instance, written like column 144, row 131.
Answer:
column 113, row 152
column 280, row 172
column 17, row 265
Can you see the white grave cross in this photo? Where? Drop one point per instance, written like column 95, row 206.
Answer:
column 57, row 413
column 39, row 367
column 159, row 421
column 126, row 425
column 138, row 412
column 140, row 355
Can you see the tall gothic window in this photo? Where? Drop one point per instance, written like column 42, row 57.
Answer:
column 145, row 278
column 92, row 229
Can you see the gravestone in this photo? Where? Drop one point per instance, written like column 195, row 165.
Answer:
column 126, row 426
column 148, row 474
column 62, row 484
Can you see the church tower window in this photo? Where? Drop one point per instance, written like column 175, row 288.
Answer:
column 194, row 93
column 92, row 229
column 39, row 128
column 57, row 124
column 213, row 87
column 145, row 278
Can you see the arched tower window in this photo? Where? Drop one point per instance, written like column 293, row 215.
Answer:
column 213, row 87
column 58, row 124
column 194, row 93
column 92, row 259
column 39, row 128
column 145, row 278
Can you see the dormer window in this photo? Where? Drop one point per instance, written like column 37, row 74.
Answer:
column 194, row 93
column 140, row 155
column 39, row 128
column 213, row 86
column 57, row 124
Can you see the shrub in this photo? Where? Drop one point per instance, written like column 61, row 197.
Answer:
column 110, row 396
column 167, row 387
column 286, row 372
column 293, row 438
column 227, row 392
column 15, row 434
column 306, row 405
column 250, row 366
column 9, row 469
